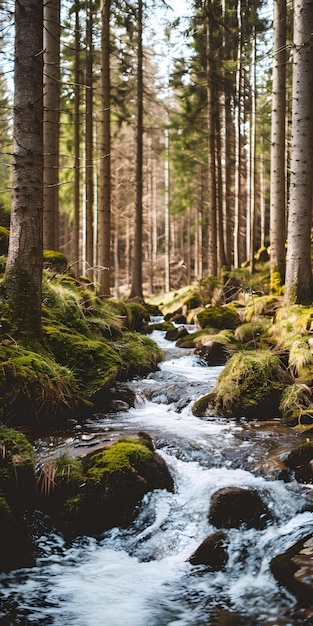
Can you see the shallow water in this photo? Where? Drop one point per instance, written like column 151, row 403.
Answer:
column 141, row 576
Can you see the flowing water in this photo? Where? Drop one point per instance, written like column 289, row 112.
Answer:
column 141, row 576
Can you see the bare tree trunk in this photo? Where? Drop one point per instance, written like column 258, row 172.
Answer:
column 278, row 150
column 51, row 103
column 299, row 286
column 89, row 141
column 23, row 276
column 105, row 155
column 136, row 287
column 237, row 216
column 167, row 233
column 76, row 220
column 212, row 227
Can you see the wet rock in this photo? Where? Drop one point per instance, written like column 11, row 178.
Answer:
column 294, row 570
column 176, row 333
column 300, row 462
column 232, row 507
column 211, row 552
column 214, row 353
column 112, row 486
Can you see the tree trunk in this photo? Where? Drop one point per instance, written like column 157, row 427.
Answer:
column 299, row 288
column 278, row 150
column 104, row 250
column 89, row 142
column 136, row 287
column 51, row 103
column 76, row 219
column 212, row 226
column 23, row 276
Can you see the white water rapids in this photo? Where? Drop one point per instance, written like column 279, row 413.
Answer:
column 141, row 576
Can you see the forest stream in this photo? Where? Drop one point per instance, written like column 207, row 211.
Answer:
column 141, row 576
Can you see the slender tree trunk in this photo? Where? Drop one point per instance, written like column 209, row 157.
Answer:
column 51, row 103
column 23, row 276
column 237, row 216
column 278, row 150
column 136, row 287
column 167, row 233
column 89, row 141
column 212, row 227
column 299, row 286
column 77, row 122
column 105, row 155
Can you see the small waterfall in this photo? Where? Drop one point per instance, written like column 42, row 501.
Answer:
column 141, row 576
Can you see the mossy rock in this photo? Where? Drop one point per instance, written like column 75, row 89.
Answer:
column 205, row 406
column 300, row 358
column 251, row 385
column 219, row 317
column 252, row 332
column 295, row 401
column 3, row 262
column 34, row 389
column 95, row 364
column 133, row 315
column 55, row 261
column 116, row 479
column 261, row 306
column 139, row 355
column 163, row 326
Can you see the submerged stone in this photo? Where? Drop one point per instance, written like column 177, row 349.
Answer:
column 211, row 552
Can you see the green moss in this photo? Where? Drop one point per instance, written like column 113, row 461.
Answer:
column 259, row 306
column 252, row 331
column 250, row 381
column 116, row 479
column 33, row 387
column 139, row 354
column 295, row 400
column 201, row 337
column 205, row 406
column 94, row 363
column 219, row 317
column 54, row 260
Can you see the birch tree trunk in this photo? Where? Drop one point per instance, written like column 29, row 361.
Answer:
column 278, row 150
column 299, row 287
column 23, row 276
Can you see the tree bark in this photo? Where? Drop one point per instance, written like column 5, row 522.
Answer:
column 23, row 276
column 136, row 286
column 104, row 249
column 51, row 103
column 212, row 225
column 278, row 150
column 299, row 287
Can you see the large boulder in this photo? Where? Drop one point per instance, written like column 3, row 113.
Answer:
column 212, row 552
column 294, row 569
column 251, row 385
column 107, row 487
column 232, row 507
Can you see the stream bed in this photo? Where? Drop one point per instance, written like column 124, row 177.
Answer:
column 140, row 576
